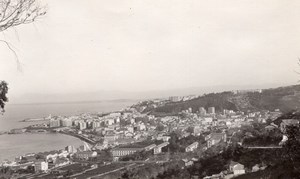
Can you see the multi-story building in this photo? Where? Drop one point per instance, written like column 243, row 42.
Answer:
column 197, row 130
column 76, row 122
column 81, row 125
column 109, row 121
column 66, row 122
column 40, row 165
column 54, row 123
column 215, row 138
column 158, row 148
column 86, row 154
column 71, row 149
column 120, row 152
column 175, row 98
column 96, row 124
column 110, row 138
column 236, row 168
column 89, row 124
column 192, row 147
column 150, row 147
column 163, row 138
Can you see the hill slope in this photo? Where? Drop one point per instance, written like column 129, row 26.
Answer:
column 283, row 98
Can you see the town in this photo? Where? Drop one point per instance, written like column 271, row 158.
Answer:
column 130, row 138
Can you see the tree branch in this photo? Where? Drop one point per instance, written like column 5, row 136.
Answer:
column 17, row 12
column 19, row 66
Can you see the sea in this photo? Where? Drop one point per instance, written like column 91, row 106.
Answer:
column 13, row 145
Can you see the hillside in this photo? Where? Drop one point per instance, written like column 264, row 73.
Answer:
column 283, row 98
column 289, row 115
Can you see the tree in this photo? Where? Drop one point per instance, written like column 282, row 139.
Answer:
column 14, row 13
column 190, row 129
column 3, row 97
column 17, row 12
column 292, row 146
column 160, row 128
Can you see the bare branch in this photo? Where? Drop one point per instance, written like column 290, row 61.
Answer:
column 15, row 54
column 17, row 12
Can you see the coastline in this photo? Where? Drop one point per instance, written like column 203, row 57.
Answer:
column 34, row 120
column 13, row 147
column 82, row 138
column 16, row 144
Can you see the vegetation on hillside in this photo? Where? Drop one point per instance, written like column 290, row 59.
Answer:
column 283, row 98
column 279, row 162
column 218, row 100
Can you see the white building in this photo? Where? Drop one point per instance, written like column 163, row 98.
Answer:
column 163, row 138
column 142, row 127
column 40, row 166
column 158, row 148
column 236, row 168
column 120, row 152
column 71, row 149
column 86, row 154
column 82, row 125
column 66, row 122
column 191, row 147
column 208, row 119
column 109, row 121
column 96, row 124
column 54, row 123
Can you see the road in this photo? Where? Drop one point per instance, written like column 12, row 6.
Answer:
column 260, row 147
column 89, row 141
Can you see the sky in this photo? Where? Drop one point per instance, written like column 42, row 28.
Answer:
column 152, row 45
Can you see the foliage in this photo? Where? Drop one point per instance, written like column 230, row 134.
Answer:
column 218, row 100
column 262, row 137
column 190, row 129
column 292, row 145
column 160, row 127
column 290, row 115
column 3, row 92
column 283, row 98
column 179, row 145
column 281, row 163
column 14, row 13
column 146, row 171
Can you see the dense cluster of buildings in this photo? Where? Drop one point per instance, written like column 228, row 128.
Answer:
column 119, row 131
column 45, row 161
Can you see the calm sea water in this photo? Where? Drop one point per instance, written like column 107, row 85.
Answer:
column 19, row 144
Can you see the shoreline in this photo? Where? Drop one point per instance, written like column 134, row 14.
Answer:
column 29, row 134
column 34, row 120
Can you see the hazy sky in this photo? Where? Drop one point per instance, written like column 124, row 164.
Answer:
column 90, row 45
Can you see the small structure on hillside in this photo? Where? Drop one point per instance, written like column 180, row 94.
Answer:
column 192, row 147
column 158, row 148
column 236, row 168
